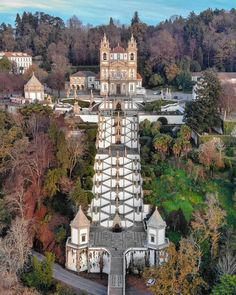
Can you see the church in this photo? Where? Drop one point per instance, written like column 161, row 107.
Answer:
column 118, row 69
column 119, row 232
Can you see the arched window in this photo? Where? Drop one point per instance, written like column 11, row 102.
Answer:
column 131, row 56
column 104, row 56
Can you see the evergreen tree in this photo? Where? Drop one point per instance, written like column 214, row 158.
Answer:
column 18, row 25
column 111, row 22
column 5, row 65
column 227, row 286
column 135, row 19
column 41, row 275
column 203, row 115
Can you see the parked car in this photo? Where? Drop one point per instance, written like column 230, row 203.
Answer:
column 157, row 93
column 150, row 282
column 175, row 97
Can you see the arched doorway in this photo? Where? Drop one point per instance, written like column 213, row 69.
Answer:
column 118, row 106
column 163, row 120
column 116, row 228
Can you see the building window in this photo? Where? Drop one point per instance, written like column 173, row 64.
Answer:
column 131, row 87
column 83, row 238
column 118, row 56
column 152, row 239
column 131, row 56
column 104, row 56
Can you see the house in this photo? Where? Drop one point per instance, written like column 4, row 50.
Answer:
column 21, row 60
column 81, row 81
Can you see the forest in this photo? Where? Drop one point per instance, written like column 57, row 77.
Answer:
column 169, row 50
column 44, row 176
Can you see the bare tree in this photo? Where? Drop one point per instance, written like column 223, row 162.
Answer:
column 17, row 289
column 227, row 259
column 209, row 221
column 228, row 99
column 75, row 148
column 15, row 200
column 14, row 251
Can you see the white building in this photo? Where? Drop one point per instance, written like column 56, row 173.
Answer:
column 79, row 256
column 81, row 81
column 34, row 90
column 21, row 60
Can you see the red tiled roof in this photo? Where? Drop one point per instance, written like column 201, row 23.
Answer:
column 225, row 75
column 15, row 54
column 118, row 49
column 139, row 77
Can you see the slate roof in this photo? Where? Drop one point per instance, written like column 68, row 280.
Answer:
column 84, row 74
column 33, row 82
column 80, row 219
column 156, row 220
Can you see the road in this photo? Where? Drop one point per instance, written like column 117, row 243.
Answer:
column 73, row 280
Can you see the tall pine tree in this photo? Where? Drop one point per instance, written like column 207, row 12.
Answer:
column 203, row 114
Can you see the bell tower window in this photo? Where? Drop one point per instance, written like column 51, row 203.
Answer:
column 104, row 56
column 131, row 56
column 83, row 238
column 152, row 238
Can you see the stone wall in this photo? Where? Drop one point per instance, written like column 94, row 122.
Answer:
column 172, row 119
column 94, row 256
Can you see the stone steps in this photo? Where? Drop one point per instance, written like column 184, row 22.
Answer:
column 116, row 284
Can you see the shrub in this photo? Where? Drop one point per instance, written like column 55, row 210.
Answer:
column 41, row 275
column 230, row 152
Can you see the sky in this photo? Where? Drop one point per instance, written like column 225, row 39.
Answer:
column 99, row 11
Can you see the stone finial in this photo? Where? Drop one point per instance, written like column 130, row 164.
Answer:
column 117, row 220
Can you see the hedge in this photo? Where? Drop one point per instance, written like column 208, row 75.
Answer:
column 229, row 127
column 84, row 126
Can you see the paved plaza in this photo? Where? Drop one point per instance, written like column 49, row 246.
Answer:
column 132, row 237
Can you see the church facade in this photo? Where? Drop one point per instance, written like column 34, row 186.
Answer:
column 118, row 69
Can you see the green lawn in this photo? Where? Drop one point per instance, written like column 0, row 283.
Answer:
column 176, row 189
